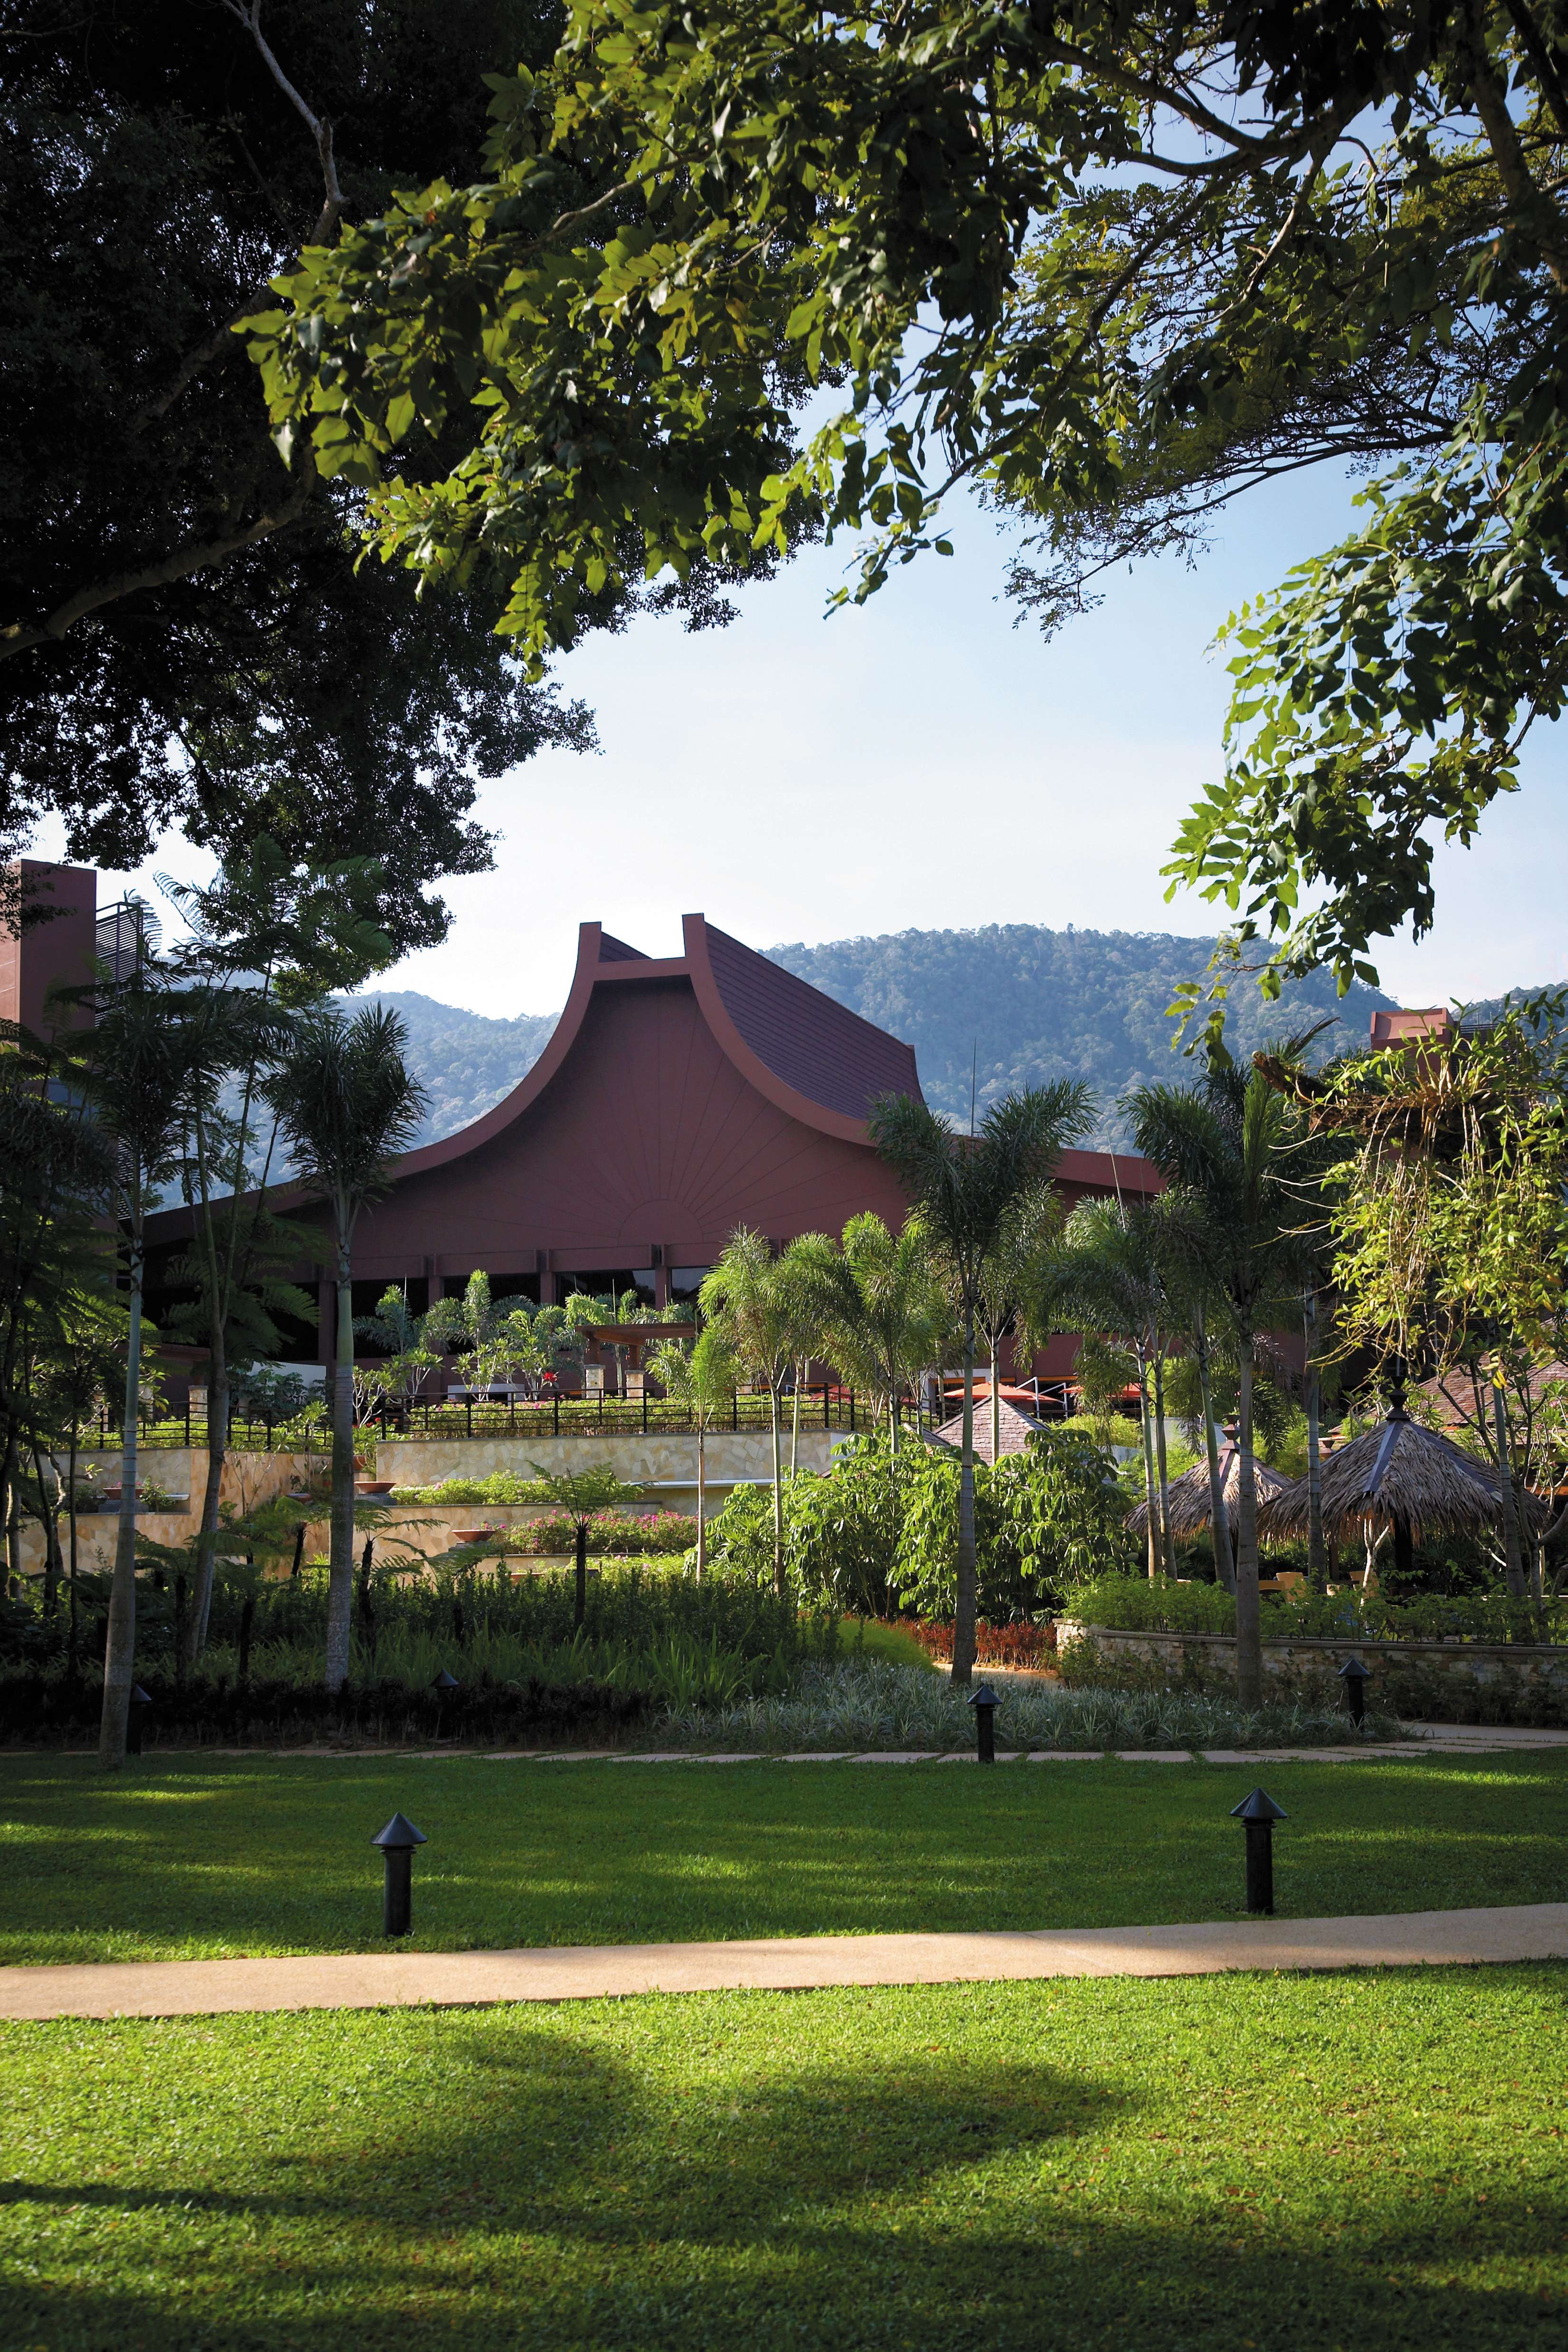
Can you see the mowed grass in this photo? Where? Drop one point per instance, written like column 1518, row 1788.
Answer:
column 201, row 1858
column 1283, row 2164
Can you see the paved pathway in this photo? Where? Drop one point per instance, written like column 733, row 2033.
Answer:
column 1530, row 1931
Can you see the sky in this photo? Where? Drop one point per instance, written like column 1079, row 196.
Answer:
column 921, row 762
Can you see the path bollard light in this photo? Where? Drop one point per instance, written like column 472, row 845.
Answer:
column 1355, row 1677
column 1257, row 1814
column 984, row 1702
column 135, row 1716
column 398, row 1842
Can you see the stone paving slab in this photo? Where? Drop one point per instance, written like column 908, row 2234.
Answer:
column 1532, row 1931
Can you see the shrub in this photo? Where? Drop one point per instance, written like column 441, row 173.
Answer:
column 1046, row 1520
column 1138, row 1604
column 865, row 1704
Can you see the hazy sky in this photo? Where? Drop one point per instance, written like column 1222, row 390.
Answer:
column 923, row 762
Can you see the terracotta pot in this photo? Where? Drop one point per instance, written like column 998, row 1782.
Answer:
column 476, row 1535
column 374, row 1486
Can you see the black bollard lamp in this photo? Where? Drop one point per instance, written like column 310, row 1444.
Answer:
column 1355, row 1677
column 985, row 1703
column 398, row 1842
column 1257, row 1814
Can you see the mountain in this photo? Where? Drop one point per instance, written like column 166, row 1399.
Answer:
column 1016, row 1005
column 1019, row 1004
column 467, row 1060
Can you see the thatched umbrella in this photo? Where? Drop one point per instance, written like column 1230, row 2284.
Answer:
column 1399, row 1475
column 1190, row 1505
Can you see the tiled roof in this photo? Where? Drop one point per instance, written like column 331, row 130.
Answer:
column 614, row 951
column 815, row 1045
column 1016, row 1429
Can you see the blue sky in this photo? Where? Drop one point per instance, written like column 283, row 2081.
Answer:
column 923, row 762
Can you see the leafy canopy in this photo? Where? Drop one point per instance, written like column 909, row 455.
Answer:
column 1109, row 264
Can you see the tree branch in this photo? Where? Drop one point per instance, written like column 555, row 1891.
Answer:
column 248, row 14
column 194, row 556
column 1535, row 206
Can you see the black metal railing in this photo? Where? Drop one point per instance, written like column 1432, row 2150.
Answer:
column 423, row 1418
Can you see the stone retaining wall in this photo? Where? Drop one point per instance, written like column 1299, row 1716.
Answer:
column 1518, row 1667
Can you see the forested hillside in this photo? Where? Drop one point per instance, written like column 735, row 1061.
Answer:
column 467, row 1059
column 1021, row 1003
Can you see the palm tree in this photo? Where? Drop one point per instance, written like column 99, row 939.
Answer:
column 1113, row 1269
column 882, row 1312
column 702, row 1379
column 965, row 1188
column 346, row 1105
column 140, row 1068
column 1225, row 1142
column 763, row 1305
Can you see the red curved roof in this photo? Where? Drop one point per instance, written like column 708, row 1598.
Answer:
column 815, row 1045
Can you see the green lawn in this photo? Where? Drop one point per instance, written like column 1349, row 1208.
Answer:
column 1285, row 2164
column 191, row 1858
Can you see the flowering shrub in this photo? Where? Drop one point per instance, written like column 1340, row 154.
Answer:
column 994, row 1645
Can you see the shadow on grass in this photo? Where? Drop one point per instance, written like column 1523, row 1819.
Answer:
column 533, row 2190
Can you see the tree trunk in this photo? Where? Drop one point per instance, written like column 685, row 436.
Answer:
column 778, row 1488
column 72, row 1660
column 341, row 1556
column 49, row 1517
column 1150, row 1485
column 1167, row 1556
column 1219, row 1518
column 1513, row 1556
column 13, row 1512
column 207, row 1538
column 963, row 1612
column 701, row 1501
column 1317, row 1562
column 996, row 1406
column 1248, row 1618
column 794, row 1424
column 120, row 1643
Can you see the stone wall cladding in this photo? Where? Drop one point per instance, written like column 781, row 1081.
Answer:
column 1454, row 1681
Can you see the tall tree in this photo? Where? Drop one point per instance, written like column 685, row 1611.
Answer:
column 965, row 1188
column 271, row 932
column 346, row 1105
column 701, row 1378
column 1164, row 253
column 762, row 1302
column 1114, row 1270
column 147, row 1059
column 883, row 1316
column 1227, row 1144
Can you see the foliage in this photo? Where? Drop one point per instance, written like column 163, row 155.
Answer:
column 1110, row 271
column 1449, row 1223
column 876, row 1533
column 1134, row 1604
column 180, row 609
column 872, row 1705
column 579, row 1494
column 841, row 1531
column 1045, row 1519
column 497, row 1486
column 619, row 1532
